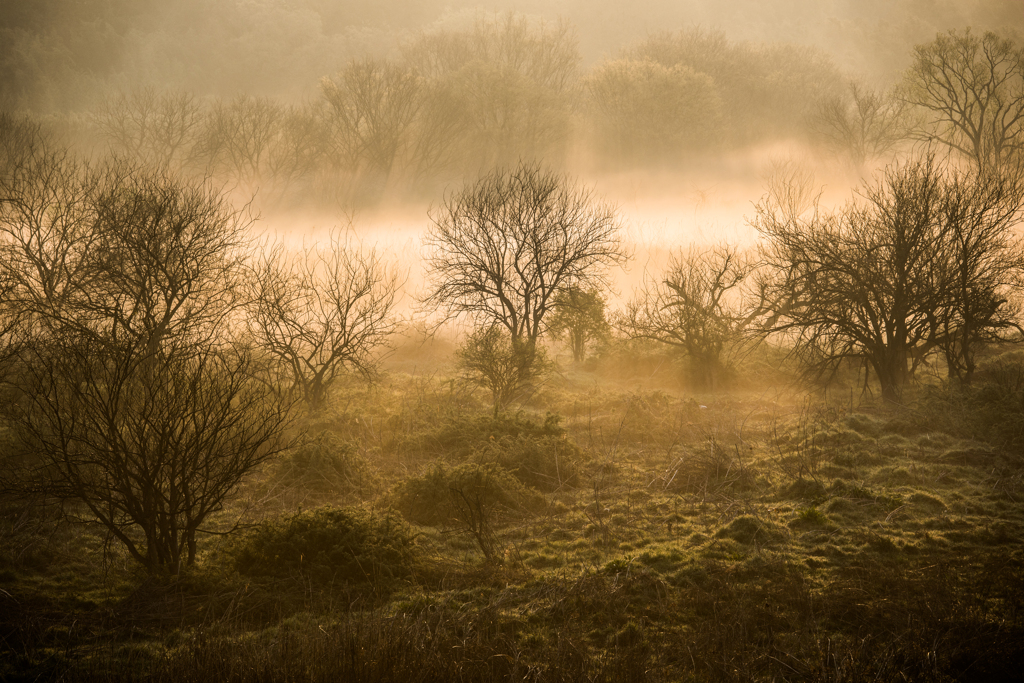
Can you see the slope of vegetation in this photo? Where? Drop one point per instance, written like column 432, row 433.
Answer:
column 730, row 536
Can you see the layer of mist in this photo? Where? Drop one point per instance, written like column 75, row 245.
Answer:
column 59, row 55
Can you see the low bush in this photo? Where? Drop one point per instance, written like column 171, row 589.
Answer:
column 537, row 452
column 545, row 461
column 711, row 464
column 442, row 494
column 990, row 410
column 810, row 518
column 328, row 544
column 321, row 469
column 471, row 498
column 995, row 407
column 808, row 489
column 460, row 438
column 750, row 530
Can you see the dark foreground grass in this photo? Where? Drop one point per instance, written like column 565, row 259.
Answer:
column 761, row 619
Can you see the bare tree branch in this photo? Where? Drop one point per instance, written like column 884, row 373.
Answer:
column 502, row 249
column 973, row 89
column 322, row 311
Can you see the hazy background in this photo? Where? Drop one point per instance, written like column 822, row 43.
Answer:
column 60, row 55
column 685, row 164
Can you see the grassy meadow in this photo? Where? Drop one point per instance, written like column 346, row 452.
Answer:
column 612, row 526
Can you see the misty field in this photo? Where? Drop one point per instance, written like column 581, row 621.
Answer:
column 448, row 341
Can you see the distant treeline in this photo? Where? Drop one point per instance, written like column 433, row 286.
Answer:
column 406, row 117
column 456, row 103
column 61, row 55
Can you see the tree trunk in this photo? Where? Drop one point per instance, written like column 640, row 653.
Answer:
column 579, row 347
column 892, row 373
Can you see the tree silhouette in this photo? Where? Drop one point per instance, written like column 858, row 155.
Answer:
column 973, row 89
column 579, row 318
column 924, row 261
column 138, row 411
column 502, row 249
column 322, row 311
column 695, row 306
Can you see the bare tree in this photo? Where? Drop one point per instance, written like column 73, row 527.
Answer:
column 695, row 306
column 925, row 261
column 372, row 105
column 238, row 136
column 297, row 151
column 502, row 249
column 157, row 129
column 385, row 121
column 863, row 125
column 146, row 447
column 648, row 111
column 545, row 52
column 260, row 145
column 25, row 154
column 21, row 139
column 579, row 318
column 973, row 89
column 119, row 251
column 761, row 91
column 166, row 262
column 141, row 415
column 46, row 235
column 861, row 282
column 984, row 259
column 507, row 367
column 322, row 311
column 435, row 147
column 515, row 82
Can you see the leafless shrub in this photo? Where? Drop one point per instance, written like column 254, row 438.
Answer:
column 696, row 306
column 320, row 312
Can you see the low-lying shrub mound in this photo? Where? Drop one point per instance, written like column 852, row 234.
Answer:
column 806, row 489
column 990, row 410
column 996, row 407
column 458, row 495
column 321, row 469
column 536, row 452
column 546, row 462
column 328, row 544
column 810, row 518
column 710, row 464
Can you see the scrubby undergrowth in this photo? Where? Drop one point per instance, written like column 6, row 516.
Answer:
column 601, row 534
